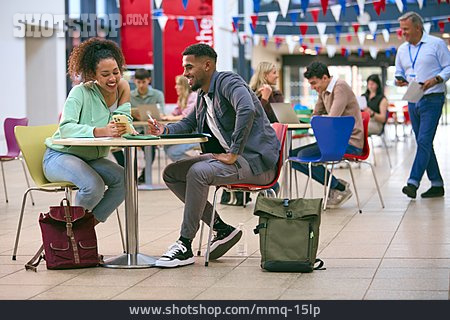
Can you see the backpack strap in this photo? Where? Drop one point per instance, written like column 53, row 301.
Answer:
column 320, row 266
column 259, row 226
column 32, row 264
column 70, row 234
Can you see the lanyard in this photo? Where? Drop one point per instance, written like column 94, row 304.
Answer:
column 415, row 58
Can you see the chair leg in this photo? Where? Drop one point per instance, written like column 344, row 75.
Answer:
column 307, row 182
column 26, row 178
column 310, row 180
column 354, row 186
column 327, row 191
column 211, row 225
column 121, row 231
column 199, row 250
column 19, row 227
column 373, row 151
column 376, row 183
column 325, row 185
column 4, row 181
column 387, row 150
column 296, row 183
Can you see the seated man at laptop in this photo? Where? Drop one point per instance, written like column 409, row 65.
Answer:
column 243, row 148
column 336, row 98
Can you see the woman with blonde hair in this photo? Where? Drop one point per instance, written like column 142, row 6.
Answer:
column 185, row 104
column 263, row 83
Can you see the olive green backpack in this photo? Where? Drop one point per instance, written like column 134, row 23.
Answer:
column 288, row 233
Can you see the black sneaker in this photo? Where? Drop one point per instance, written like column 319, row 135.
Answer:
column 177, row 255
column 410, row 190
column 223, row 241
column 433, row 192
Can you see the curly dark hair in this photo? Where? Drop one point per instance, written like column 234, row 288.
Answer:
column 316, row 69
column 200, row 50
column 84, row 58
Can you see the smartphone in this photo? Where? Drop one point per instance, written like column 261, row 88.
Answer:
column 400, row 78
column 120, row 118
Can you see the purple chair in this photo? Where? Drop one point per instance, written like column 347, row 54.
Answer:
column 13, row 148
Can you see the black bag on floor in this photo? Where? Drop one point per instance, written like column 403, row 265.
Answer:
column 288, row 233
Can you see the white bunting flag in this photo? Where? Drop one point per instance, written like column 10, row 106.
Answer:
column 331, row 51
column 385, row 34
column 162, row 20
column 420, row 2
column 361, row 6
column 272, row 24
column 361, row 37
column 427, row 27
column 336, row 11
column 372, row 27
column 323, row 39
column 242, row 36
column 373, row 52
column 399, row 5
column 256, row 39
column 158, row 4
column 321, row 27
column 284, row 5
column 290, row 43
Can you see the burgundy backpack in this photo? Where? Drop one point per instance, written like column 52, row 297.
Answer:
column 68, row 237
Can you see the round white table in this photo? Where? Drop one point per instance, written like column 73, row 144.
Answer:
column 131, row 258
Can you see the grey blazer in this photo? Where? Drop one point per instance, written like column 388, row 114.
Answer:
column 240, row 118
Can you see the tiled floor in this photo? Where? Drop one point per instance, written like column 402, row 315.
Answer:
column 400, row 252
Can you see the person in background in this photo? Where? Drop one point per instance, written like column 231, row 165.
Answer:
column 185, row 104
column 377, row 104
column 425, row 59
column 88, row 113
column 243, row 148
column 263, row 83
column 336, row 99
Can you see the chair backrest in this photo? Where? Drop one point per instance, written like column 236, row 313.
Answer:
column 366, row 148
column 332, row 135
column 11, row 142
column 31, row 141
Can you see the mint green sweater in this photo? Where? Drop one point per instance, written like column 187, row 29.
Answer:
column 85, row 109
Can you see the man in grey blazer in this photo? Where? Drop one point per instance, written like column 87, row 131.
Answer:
column 243, row 148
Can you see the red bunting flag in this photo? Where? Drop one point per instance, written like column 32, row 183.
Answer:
column 441, row 25
column 383, row 5
column 303, row 28
column 355, row 27
column 254, row 18
column 399, row 34
column 448, row 19
column 304, row 46
column 311, row 40
column 377, row 7
column 349, row 38
column 324, row 6
column 343, row 51
column 234, row 26
column 315, row 14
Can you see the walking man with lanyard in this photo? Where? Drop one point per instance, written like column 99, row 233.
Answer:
column 425, row 59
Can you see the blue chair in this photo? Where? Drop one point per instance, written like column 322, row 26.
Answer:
column 332, row 136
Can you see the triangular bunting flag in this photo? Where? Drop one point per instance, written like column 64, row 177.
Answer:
column 290, row 43
column 383, row 5
column 300, row 40
column 336, row 11
column 385, row 34
column 311, row 40
column 158, row 4
column 180, row 22
column 235, row 23
column 284, row 5
column 272, row 16
column 294, row 17
column 387, row 53
column 304, row 5
column 254, row 19
column 323, row 39
column 331, row 51
column 318, row 49
column 303, row 28
column 399, row 4
column 355, row 27
column 360, row 52
column 372, row 27
column 427, row 27
column 278, row 42
column 405, row 5
column 265, row 40
column 324, row 4
column 388, row 27
column 315, row 14
column 357, row 11
column 349, row 37
column 399, row 34
column 185, row 4
column 242, row 37
column 441, row 25
column 342, row 4
column 361, row 37
column 373, row 52
column 270, row 29
column 377, row 7
column 256, row 4
column 321, row 27
column 256, row 39
column 361, row 5
column 252, row 29
column 162, row 20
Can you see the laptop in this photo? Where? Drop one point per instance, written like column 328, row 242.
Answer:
column 285, row 113
column 152, row 108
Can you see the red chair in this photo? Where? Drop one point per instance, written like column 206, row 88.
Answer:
column 280, row 130
column 362, row 159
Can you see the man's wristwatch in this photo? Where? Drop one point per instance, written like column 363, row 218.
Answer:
column 439, row 79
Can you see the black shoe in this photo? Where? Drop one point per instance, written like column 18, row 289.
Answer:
column 178, row 255
column 224, row 240
column 141, row 178
column 433, row 192
column 410, row 190
column 226, row 197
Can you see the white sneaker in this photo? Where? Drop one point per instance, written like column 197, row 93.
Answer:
column 177, row 255
column 336, row 198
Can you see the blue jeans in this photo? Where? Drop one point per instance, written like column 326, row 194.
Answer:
column 425, row 116
column 90, row 177
column 178, row 151
column 318, row 172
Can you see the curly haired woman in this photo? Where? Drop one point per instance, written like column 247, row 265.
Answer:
column 87, row 113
